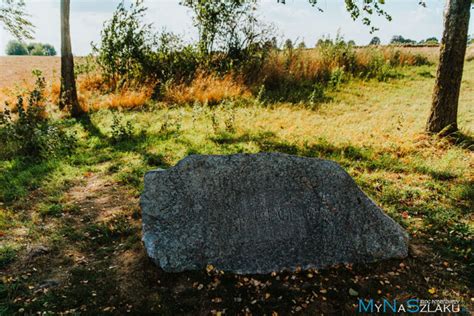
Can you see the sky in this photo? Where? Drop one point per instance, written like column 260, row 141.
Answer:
column 296, row 20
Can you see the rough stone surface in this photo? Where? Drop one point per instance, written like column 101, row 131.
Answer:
column 258, row 213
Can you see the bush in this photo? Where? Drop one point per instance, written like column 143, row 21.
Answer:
column 36, row 50
column 174, row 60
column 31, row 134
column 16, row 48
column 49, row 50
column 40, row 49
column 33, row 49
column 431, row 41
column 121, row 131
column 130, row 52
column 375, row 41
column 125, row 52
column 231, row 38
column 338, row 53
column 337, row 78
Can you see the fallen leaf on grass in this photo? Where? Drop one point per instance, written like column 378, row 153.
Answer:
column 353, row 292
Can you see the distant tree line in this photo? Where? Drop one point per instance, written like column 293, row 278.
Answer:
column 400, row 40
column 33, row 49
column 395, row 40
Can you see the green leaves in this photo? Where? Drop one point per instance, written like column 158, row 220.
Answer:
column 364, row 10
column 126, row 44
column 14, row 19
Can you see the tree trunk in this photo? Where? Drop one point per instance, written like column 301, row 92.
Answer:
column 444, row 108
column 68, row 96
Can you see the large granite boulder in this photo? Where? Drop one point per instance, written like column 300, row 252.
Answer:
column 258, row 213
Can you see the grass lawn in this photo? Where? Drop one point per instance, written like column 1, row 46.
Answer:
column 70, row 227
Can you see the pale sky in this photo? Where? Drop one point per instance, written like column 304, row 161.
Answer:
column 296, row 20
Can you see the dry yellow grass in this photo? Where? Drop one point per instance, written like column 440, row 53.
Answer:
column 125, row 99
column 470, row 53
column 432, row 52
column 397, row 116
column 389, row 117
column 318, row 65
column 207, row 89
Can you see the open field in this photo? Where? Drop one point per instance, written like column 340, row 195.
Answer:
column 16, row 70
column 70, row 226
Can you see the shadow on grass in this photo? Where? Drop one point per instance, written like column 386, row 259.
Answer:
column 20, row 175
column 135, row 142
column 86, row 123
column 347, row 155
column 462, row 140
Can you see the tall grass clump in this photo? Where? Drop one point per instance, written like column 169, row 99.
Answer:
column 294, row 75
column 207, row 89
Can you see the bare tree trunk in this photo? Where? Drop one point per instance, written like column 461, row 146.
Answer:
column 444, row 109
column 68, row 96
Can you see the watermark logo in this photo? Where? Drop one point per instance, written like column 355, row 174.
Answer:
column 413, row 305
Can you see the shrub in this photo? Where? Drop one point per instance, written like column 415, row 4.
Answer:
column 231, row 38
column 126, row 46
column 130, row 52
column 40, row 49
column 337, row 78
column 375, row 41
column 232, row 44
column 431, row 41
column 33, row 49
column 49, row 50
column 400, row 40
column 31, row 134
column 16, row 48
column 173, row 59
column 317, row 95
column 120, row 131
column 36, row 50
column 338, row 53
column 85, row 66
